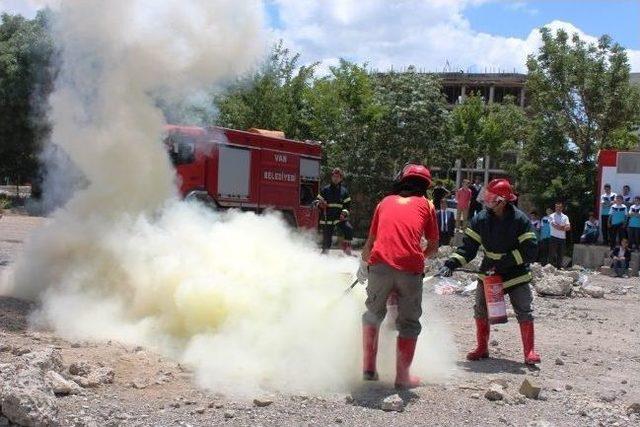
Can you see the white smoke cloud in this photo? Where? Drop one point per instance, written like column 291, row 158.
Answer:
column 247, row 303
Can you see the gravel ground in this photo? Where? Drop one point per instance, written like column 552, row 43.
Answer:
column 590, row 374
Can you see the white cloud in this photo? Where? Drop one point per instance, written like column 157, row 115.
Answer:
column 427, row 34
column 522, row 6
column 424, row 33
column 26, row 8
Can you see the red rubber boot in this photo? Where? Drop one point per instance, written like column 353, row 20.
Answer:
column 405, row 349
column 369, row 352
column 528, row 339
column 482, row 338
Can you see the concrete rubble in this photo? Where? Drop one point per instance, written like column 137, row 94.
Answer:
column 30, row 385
column 26, row 398
column 529, row 390
column 547, row 280
column 392, row 403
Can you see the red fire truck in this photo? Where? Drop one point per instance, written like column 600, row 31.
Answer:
column 248, row 170
column 618, row 168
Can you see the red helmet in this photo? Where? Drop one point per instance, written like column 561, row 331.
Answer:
column 418, row 171
column 501, row 188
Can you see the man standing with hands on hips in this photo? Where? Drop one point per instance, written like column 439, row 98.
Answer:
column 395, row 261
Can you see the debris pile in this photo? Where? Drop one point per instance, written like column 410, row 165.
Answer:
column 30, row 384
column 549, row 281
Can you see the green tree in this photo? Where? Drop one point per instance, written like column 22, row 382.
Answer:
column 581, row 101
column 274, row 97
column 479, row 130
column 26, row 79
column 346, row 116
column 415, row 122
column 467, row 129
column 584, row 88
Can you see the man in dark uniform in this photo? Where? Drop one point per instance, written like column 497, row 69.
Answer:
column 509, row 244
column 439, row 193
column 476, row 187
column 334, row 202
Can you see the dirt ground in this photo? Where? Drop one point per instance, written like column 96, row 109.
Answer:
column 590, row 374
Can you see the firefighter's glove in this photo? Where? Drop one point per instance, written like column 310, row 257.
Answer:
column 320, row 204
column 444, row 271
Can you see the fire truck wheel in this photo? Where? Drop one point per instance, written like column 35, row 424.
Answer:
column 202, row 197
column 289, row 218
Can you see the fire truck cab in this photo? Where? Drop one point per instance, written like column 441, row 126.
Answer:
column 248, row 170
column 618, row 168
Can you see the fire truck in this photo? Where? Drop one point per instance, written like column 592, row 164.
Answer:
column 618, row 168
column 249, row 170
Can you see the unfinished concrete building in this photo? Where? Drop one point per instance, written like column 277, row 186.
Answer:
column 493, row 87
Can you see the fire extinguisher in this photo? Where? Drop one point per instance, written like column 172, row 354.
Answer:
column 494, row 296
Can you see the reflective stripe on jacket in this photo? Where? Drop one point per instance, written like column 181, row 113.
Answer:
column 509, row 244
column 337, row 199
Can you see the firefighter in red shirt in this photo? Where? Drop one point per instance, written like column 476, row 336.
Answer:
column 396, row 264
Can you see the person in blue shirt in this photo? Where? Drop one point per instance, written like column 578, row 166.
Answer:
column 545, row 237
column 617, row 221
column 535, row 223
column 634, row 224
column 591, row 230
column 606, row 200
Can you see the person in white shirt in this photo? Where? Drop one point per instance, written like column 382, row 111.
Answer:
column 626, row 195
column 606, row 200
column 559, row 227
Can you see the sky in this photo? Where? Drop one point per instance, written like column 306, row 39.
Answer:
column 433, row 35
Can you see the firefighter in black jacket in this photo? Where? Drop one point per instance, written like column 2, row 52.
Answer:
column 334, row 203
column 509, row 244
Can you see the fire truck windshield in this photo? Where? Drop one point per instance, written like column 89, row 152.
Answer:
column 181, row 148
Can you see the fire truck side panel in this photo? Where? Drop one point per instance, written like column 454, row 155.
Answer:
column 279, row 180
column 234, row 171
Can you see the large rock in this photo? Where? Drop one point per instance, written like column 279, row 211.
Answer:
column 574, row 275
column 392, row 403
column 262, row 402
column 29, row 406
column 46, row 360
column 593, row 291
column 26, row 398
column 554, row 285
column 81, row 369
column 100, row 376
column 494, row 393
column 634, row 408
column 59, row 385
column 529, row 390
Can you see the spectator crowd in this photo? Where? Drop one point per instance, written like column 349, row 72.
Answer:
column 617, row 225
